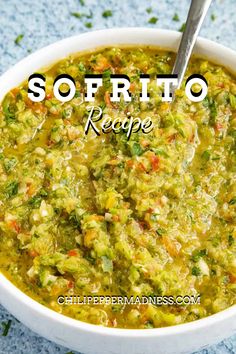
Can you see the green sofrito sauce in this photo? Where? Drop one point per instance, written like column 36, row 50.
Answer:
column 154, row 215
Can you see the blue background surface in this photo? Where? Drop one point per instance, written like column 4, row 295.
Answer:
column 44, row 22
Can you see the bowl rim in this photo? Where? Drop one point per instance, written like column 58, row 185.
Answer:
column 202, row 45
column 50, row 314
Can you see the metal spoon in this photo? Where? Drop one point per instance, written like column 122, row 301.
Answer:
column 196, row 15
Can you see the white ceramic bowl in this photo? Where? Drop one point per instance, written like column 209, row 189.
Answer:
column 84, row 337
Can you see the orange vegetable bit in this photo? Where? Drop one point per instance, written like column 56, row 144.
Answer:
column 155, row 161
column 33, row 253
column 107, row 99
column 14, row 225
column 232, row 278
column 72, row 253
column 101, row 64
column 171, row 246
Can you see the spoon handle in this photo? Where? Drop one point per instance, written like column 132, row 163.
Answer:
column 196, row 15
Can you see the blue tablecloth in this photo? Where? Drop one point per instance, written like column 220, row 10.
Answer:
column 46, row 21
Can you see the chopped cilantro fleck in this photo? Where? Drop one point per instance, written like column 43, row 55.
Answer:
column 206, row 155
column 9, row 113
column 6, row 327
column 12, row 189
column 153, row 20
column 149, row 10
column 213, row 17
column 76, row 14
column 198, row 254
column 136, row 149
column 160, row 152
column 88, row 25
column 19, row 39
column 106, row 77
column 160, row 231
column 182, row 28
column 232, row 201
column 77, row 94
column 196, row 271
column 211, row 105
column 80, row 15
column 107, row 13
column 230, row 240
column 35, row 201
column 81, row 67
column 149, row 324
column 175, row 17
